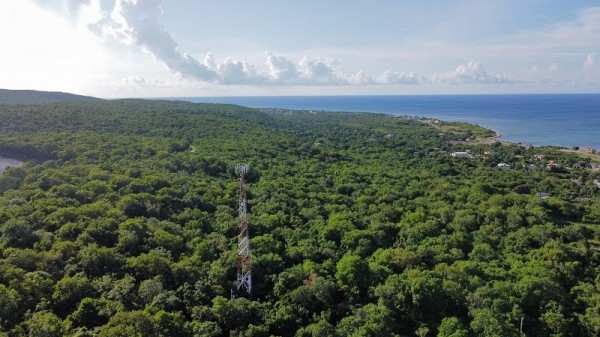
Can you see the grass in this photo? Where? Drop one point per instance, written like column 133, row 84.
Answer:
column 594, row 157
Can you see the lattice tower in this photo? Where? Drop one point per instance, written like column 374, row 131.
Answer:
column 244, row 270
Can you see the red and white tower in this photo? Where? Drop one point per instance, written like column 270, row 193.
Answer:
column 244, row 271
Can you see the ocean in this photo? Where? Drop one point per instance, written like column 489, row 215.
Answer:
column 555, row 119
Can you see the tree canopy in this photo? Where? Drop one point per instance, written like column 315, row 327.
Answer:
column 122, row 222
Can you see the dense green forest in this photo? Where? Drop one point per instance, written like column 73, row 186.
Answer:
column 36, row 97
column 122, row 222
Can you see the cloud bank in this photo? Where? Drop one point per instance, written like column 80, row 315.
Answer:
column 471, row 73
column 137, row 23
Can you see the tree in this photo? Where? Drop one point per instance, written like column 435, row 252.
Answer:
column 236, row 313
column 89, row 313
column 554, row 319
column 317, row 329
column 370, row 320
column 419, row 296
column 10, row 300
column 18, row 233
column 452, row 327
column 129, row 324
column 352, row 274
column 97, row 260
column 69, row 290
column 588, row 297
column 45, row 324
column 149, row 289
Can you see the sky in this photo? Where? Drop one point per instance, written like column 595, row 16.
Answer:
column 183, row 48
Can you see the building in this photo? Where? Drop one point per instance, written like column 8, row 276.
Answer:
column 504, row 166
column 460, row 154
column 588, row 149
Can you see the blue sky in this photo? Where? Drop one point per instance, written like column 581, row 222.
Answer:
column 150, row 48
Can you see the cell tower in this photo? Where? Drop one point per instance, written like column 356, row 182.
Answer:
column 244, row 271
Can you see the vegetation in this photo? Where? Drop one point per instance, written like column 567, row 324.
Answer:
column 37, row 97
column 123, row 223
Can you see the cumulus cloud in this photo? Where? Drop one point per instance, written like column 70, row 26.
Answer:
column 238, row 72
column 392, row 77
column 138, row 23
column 321, row 71
column 210, row 62
column 281, row 69
column 361, row 78
column 470, row 73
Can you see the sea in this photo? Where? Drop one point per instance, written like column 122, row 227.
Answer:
column 565, row 120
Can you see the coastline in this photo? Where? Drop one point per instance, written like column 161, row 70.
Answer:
column 541, row 120
column 593, row 154
column 438, row 122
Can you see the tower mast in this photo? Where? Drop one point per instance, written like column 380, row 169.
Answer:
column 244, row 271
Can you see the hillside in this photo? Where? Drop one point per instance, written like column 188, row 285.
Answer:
column 37, row 97
column 122, row 222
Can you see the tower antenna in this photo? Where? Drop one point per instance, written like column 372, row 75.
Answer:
column 244, row 271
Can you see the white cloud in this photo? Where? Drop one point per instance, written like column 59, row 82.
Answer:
column 361, row 78
column 282, row 70
column 321, row 71
column 209, row 61
column 137, row 23
column 553, row 67
column 561, row 38
column 590, row 61
column 238, row 72
column 392, row 77
column 470, row 73
column 582, row 32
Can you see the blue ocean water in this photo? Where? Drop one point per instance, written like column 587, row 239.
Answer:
column 558, row 119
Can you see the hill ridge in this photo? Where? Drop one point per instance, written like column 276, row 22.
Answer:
column 10, row 96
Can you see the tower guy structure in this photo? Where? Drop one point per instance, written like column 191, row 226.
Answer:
column 244, row 271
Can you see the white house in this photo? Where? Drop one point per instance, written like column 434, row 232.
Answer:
column 460, row 154
column 504, row 166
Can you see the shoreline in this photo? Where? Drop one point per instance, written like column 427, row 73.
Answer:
column 591, row 150
column 593, row 156
column 428, row 120
column 591, row 153
column 522, row 118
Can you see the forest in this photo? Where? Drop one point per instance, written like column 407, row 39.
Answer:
column 123, row 222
